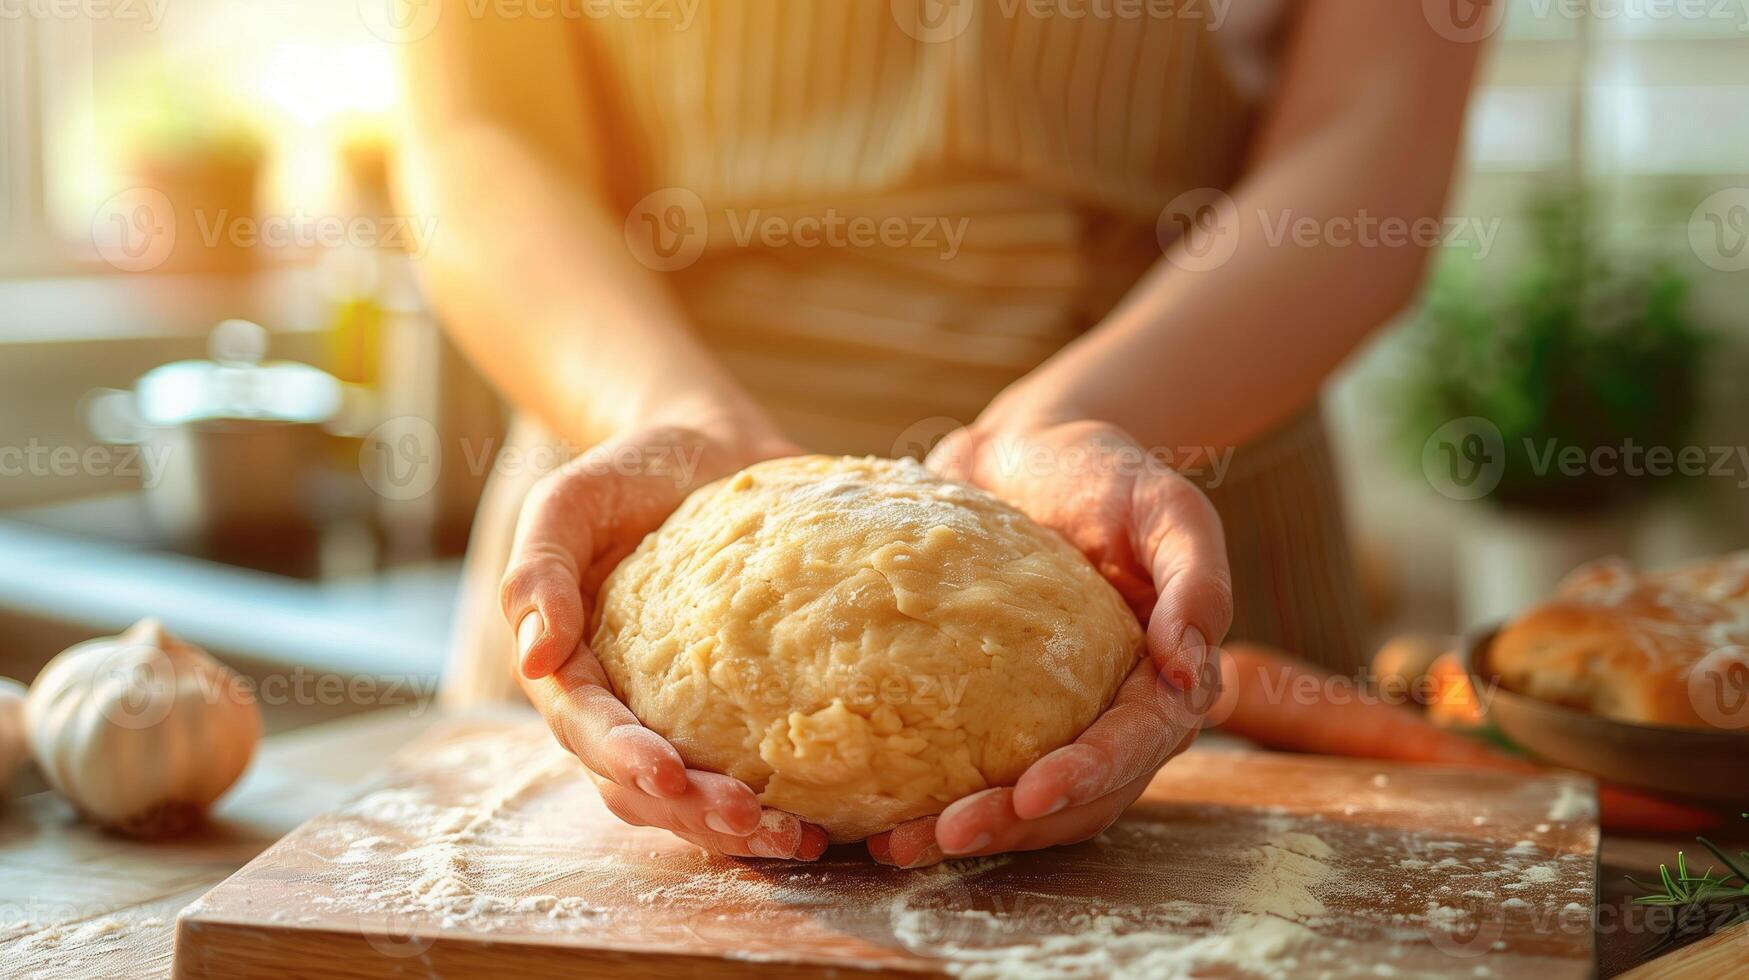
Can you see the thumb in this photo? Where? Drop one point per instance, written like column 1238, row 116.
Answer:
column 541, row 594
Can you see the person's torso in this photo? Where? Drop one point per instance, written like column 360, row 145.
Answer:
column 884, row 211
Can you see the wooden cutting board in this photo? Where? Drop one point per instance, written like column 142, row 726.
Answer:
column 485, row 852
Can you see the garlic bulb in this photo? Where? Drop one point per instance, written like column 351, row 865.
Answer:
column 14, row 747
column 142, row 732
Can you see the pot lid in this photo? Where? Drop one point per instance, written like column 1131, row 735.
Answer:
column 237, row 384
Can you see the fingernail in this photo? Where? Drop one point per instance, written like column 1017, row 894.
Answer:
column 527, row 632
column 814, row 842
column 1056, row 805
column 881, row 849
column 765, row 849
column 649, row 789
column 930, row 854
column 718, row 824
column 977, row 843
column 1193, row 648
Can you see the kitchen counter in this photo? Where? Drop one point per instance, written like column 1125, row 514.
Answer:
column 392, row 623
column 75, row 902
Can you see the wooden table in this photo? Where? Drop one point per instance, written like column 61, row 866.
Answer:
column 75, row 902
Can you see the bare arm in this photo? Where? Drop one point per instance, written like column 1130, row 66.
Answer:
column 1368, row 122
column 528, row 268
column 532, row 275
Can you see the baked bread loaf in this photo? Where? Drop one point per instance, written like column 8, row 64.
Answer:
column 1649, row 648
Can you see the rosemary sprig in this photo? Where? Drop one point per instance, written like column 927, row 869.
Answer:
column 1704, row 903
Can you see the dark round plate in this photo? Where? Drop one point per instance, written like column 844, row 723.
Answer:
column 1707, row 765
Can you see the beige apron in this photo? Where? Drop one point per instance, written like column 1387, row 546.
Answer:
column 891, row 219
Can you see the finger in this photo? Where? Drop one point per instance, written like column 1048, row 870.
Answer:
column 596, row 727
column 541, row 594
column 1179, row 535
column 969, row 824
column 712, row 804
column 1147, row 723
column 1005, row 831
column 807, row 845
column 909, row 845
column 775, row 833
column 952, row 457
column 880, row 848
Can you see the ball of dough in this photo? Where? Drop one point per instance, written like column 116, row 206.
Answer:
column 860, row 641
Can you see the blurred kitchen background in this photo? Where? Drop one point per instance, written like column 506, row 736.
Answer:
column 323, row 446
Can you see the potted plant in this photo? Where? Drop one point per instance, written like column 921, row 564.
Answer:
column 1539, row 403
column 187, row 142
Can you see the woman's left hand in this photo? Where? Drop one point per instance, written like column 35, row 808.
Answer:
column 1157, row 539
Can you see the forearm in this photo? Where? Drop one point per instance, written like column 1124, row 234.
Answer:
column 536, row 284
column 1215, row 356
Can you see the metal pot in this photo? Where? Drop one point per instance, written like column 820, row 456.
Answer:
column 231, row 447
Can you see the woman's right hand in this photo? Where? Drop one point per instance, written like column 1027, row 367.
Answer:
column 577, row 524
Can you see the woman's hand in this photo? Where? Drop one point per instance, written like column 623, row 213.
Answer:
column 1157, row 539
column 577, row 524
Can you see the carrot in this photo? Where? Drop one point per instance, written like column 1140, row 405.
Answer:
column 1282, row 702
column 1455, row 703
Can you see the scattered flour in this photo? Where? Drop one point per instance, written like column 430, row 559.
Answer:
column 1264, row 919
column 1256, row 917
column 1540, row 874
column 1572, row 803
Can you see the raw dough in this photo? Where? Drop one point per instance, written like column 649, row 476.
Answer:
column 860, row 641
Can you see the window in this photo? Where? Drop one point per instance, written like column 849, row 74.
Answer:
column 97, row 99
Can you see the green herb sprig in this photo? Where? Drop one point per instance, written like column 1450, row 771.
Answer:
column 1707, row 902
